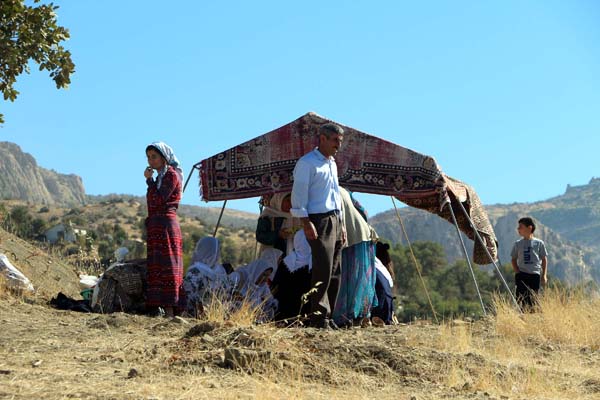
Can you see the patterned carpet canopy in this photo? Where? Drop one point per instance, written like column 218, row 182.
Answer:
column 366, row 164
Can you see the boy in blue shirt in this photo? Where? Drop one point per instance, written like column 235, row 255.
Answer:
column 529, row 261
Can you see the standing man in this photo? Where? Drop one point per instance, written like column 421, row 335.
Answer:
column 317, row 202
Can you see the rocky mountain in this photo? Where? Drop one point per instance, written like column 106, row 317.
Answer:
column 23, row 179
column 569, row 224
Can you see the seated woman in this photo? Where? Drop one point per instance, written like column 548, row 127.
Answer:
column 384, row 284
column 204, row 276
column 250, row 284
column 276, row 227
column 292, row 279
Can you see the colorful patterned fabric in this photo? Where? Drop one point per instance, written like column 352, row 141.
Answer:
column 200, row 283
column 459, row 191
column 365, row 163
column 357, row 287
column 164, row 243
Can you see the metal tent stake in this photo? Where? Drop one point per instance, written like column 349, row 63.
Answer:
column 464, row 248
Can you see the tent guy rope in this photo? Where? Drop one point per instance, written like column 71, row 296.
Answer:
column 415, row 261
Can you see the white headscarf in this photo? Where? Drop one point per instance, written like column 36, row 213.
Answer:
column 204, row 275
column 301, row 255
column 245, row 277
column 381, row 268
column 207, row 251
column 167, row 152
column 205, row 257
column 271, row 256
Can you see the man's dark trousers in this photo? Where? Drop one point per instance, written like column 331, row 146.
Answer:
column 326, row 266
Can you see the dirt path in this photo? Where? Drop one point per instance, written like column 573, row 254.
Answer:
column 51, row 354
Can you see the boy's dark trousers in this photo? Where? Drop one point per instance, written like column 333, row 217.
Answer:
column 326, row 266
column 528, row 286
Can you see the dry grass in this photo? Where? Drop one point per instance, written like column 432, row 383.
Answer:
column 548, row 354
column 11, row 292
column 564, row 318
column 510, row 356
column 4, row 293
column 221, row 309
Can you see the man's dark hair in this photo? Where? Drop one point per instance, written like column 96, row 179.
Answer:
column 527, row 221
column 330, row 129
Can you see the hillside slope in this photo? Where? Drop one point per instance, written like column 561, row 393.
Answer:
column 48, row 274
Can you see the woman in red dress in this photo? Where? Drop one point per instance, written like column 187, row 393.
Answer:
column 164, row 244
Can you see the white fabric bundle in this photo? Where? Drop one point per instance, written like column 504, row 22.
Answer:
column 14, row 277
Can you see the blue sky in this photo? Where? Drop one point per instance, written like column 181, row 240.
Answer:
column 504, row 95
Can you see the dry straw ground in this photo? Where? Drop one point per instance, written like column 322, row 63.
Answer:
column 50, row 354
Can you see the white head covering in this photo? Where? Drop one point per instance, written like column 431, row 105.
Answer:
column 301, row 255
column 204, row 263
column 167, row 152
column 381, row 268
column 207, row 251
column 246, row 276
column 274, row 210
column 271, row 256
column 276, row 201
column 204, row 276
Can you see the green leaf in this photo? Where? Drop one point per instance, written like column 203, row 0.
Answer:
column 31, row 33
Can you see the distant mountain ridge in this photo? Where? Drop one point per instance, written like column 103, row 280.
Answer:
column 22, row 178
column 569, row 224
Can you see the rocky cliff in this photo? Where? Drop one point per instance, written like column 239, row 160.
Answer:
column 22, row 178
